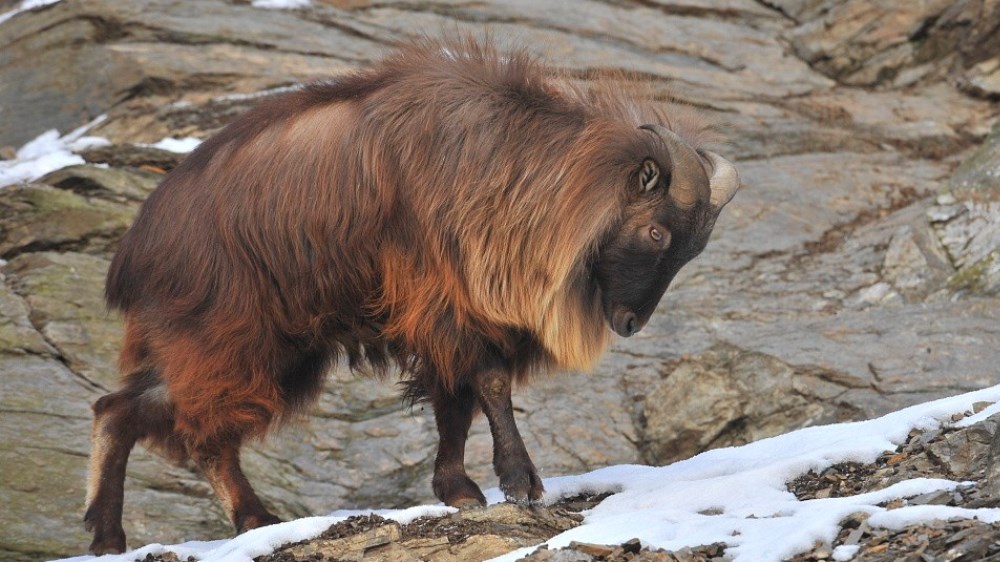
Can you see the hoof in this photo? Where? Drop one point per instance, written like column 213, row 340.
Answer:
column 254, row 521
column 458, row 491
column 522, row 486
column 108, row 538
column 108, row 545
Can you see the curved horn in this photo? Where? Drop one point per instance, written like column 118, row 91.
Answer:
column 725, row 180
column 683, row 159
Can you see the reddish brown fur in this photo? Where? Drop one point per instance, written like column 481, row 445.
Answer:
column 440, row 210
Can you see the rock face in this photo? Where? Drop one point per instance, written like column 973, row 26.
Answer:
column 866, row 43
column 857, row 272
column 728, row 396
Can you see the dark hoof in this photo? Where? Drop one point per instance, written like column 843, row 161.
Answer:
column 254, row 521
column 522, row 487
column 106, row 541
column 108, row 544
column 459, row 491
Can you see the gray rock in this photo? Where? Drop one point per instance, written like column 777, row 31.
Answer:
column 963, row 453
column 44, row 437
column 981, row 170
column 18, row 335
column 101, row 53
column 991, row 485
column 863, row 43
column 867, row 43
column 878, row 294
column 968, row 223
column 972, row 235
column 915, row 263
column 945, row 211
column 727, row 396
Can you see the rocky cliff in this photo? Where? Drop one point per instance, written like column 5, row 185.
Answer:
column 858, row 271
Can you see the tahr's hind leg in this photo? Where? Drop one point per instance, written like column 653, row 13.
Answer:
column 112, row 440
column 140, row 410
column 453, row 413
column 221, row 465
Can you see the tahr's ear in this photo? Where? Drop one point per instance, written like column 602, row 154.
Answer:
column 649, row 176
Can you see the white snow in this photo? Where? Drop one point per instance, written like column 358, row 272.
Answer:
column 734, row 495
column 280, row 4
column 845, row 552
column 24, row 7
column 184, row 145
column 249, row 545
column 976, row 418
column 47, row 153
column 259, row 94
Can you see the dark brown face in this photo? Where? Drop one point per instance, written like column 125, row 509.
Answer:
column 637, row 267
column 667, row 223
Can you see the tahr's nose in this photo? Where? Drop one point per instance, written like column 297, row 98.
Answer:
column 625, row 323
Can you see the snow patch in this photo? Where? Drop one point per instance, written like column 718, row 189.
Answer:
column 260, row 94
column 280, row 4
column 24, row 7
column 986, row 412
column 845, row 552
column 171, row 144
column 401, row 516
column 49, row 152
column 735, row 495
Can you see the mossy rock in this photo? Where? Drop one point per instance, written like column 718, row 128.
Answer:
column 37, row 217
column 980, row 278
column 109, row 183
column 65, row 294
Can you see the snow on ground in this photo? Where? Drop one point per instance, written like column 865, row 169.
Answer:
column 735, row 495
column 47, row 153
column 184, row 145
column 259, row 94
column 280, row 4
column 24, row 7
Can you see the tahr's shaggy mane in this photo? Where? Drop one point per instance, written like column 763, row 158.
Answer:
column 461, row 212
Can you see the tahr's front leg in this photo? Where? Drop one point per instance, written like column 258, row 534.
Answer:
column 519, row 479
column 453, row 412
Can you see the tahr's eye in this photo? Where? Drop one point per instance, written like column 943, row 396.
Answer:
column 655, row 234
